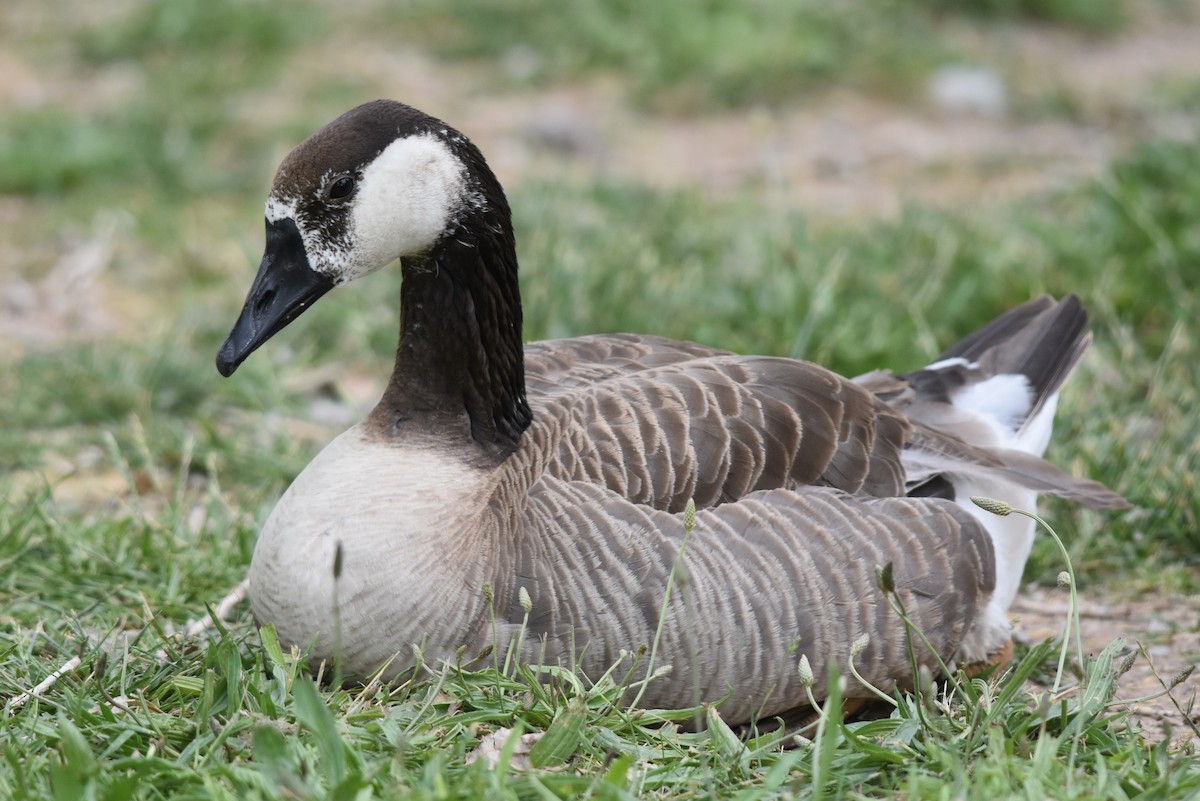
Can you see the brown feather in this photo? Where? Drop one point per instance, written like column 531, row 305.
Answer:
column 714, row 428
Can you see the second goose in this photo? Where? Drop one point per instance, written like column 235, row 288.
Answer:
column 557, row 473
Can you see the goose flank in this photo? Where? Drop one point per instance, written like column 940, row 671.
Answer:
column 562, row 468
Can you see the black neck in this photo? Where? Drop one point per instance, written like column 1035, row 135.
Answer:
column 460, row 364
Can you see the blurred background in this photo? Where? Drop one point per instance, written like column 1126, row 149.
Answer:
column 857, row 182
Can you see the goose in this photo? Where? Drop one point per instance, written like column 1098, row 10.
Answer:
column 503, row 492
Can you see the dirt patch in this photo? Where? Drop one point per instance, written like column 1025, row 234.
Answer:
column 69, row 302
column 1167, row 629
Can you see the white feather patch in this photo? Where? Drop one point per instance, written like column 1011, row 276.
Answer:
column 1003, row 401
column 1035, row 436
column 954, row 361
column 407, row 198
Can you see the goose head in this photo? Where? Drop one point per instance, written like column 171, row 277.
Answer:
column 381, row 182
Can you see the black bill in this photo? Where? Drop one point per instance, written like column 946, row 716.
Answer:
column 285, row 286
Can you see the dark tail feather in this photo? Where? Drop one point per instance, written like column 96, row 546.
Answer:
column 1042, row 340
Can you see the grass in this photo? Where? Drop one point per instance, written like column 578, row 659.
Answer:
column 199, row 460
column 133, row 480
column 683, row 55
column 149, row 716
column 153, row 137
column 1091, row 16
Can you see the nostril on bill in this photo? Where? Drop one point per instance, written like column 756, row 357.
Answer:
column 263, row 302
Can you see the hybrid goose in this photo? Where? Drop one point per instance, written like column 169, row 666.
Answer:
column 557, row 473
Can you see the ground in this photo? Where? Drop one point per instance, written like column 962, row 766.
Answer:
column 1164, row 626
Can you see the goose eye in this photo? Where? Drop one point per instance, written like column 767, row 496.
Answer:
column 341, row 188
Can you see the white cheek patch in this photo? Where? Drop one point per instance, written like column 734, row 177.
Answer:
column 407, row 198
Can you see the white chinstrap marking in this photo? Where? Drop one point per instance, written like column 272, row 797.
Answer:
column 406, row 200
